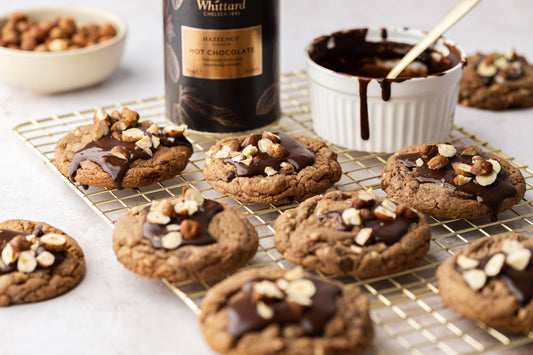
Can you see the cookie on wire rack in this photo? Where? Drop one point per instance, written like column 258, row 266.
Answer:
column 187, row 238
column 275, row 311
column 272, row 167
column 119, row 151
column 352, row 233
column 491, row 281
column 452, row 181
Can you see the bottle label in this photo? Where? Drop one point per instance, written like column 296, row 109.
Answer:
column 221, row 54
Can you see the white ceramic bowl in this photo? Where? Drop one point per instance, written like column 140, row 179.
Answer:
column 419, row 110
column 54, row 72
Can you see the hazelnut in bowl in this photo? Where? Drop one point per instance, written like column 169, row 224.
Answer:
column 56, row 49
column 353, row 104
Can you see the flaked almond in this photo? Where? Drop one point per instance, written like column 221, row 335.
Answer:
column 427, row 149
column 45, row 259
column 466, row 263
column 486, row 180
column 384, row 214
column 438, row 162
column 221, row 154
column 173, row 227
column 189, row 229
column 446, row 150
column 120, row 152
column 26, row 262
column 419, row 162
column 518, row 259
column 171, row 240
column 461, row 180
column 263, row 144
column 270, row 136
column 132, row 135
column 156, row 217
column 356, row 249
column 495, row 264
column 247, row 161
column 174, row 130
column 475, row 278
column 294, row 274
column 54, row 241
column 364, row 236
column 250, row 151
column 100, row 115
column 237, row 157
column 351, row 217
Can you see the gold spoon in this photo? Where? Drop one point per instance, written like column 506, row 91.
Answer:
column 455, row 14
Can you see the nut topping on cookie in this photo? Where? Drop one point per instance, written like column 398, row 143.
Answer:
column 45, row 259
column 495, row 264
column 157, row 217
column 427, row 149
column 351, row 217
column 132, row 135
column 189, row 229
column 171, row 240
column 518, row 259
column 475, row 278
column 446, row 150
column 54, row 241
column 384, row 214
column 437, row 162
column 26, row 262
column 364, row 236
column 465, row 263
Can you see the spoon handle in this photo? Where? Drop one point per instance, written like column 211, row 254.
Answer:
column 455, row 14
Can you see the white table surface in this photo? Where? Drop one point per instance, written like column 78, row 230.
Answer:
column 114, row 311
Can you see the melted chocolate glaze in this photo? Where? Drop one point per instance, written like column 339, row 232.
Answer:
column 388, row 232
column 5, row 237
column 153, row 232
column 353, row 55
column 519, row 283
column 491, row 196
column 99, row 152
column 297, row 155
column 243, row 317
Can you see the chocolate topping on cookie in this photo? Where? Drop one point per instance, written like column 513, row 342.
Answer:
column 267, row 154
column 498, row 68
column 513, row 265
column 462, row 169
column 185, row 221
column 26, row 252
column 119, row 139
column 379, row 222
column 293, row 299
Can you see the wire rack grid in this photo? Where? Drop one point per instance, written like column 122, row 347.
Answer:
column 405, row 307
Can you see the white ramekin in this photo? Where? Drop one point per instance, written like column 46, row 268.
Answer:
column 420, row 110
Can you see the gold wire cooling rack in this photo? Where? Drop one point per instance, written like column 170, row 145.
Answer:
column 405, row 307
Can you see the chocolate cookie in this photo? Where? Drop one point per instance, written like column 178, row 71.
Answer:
column 452, row 181
column 491, row 280
column 37, row 262
column 272, row 311
column 352, row 233
column 271, row 167
column 497, row 81
column 118, row 151
column 188, row 238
